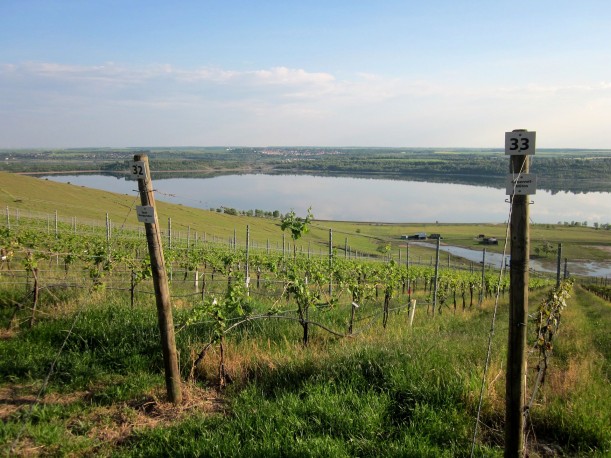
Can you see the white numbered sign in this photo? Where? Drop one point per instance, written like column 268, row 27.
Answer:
column 138, row 170
column 522, row 143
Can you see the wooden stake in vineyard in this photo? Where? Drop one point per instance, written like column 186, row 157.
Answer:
column 519, row 144
column 436, row 276
column 148, row 214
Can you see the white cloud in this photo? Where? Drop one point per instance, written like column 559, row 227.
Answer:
column 283, row 105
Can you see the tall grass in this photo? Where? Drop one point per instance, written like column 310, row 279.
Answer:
column 393, row 392
column 574, row 410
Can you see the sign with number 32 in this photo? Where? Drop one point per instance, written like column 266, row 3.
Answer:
column 138, row 170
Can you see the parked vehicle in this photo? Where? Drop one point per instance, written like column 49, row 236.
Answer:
column 418, row 236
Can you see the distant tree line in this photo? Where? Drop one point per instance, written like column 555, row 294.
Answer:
column 256, row 213
column 570, row 170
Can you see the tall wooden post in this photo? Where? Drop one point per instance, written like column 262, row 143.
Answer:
column 481, row 292
column 247, row 260
column 559, row 264
column 522, row 144
column 409, row 282
column 407, row 256
column 160, row 282
column 330, row 262
column 436, row 276
column 169, row 232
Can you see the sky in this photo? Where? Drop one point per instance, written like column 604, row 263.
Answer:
column 434, row 73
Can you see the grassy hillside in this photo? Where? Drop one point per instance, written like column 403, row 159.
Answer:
column 43, row 196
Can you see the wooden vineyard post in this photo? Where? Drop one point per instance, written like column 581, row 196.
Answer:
column 559, row 264
column 330, row 262
column 352, row 311
column 436, row 275
column 283, row 245
column 35, row 293
column 107, row 230
column 411, row 312
column 409, row 283
column 481, row 292
column 169, row 233
column 148, row 215
column 518, row 144
column 247, row 260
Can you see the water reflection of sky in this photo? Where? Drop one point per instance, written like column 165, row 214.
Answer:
column 360, row 199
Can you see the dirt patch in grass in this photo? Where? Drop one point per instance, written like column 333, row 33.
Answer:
column 116, row 423
column 18, row 397
column 108, row 425
column 6, row 334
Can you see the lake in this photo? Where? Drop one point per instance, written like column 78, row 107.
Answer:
column 358, row 199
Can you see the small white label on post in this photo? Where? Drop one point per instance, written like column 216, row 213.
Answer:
column 520, row 143
column 521, row 184
column 138, row 169
column 146, row 213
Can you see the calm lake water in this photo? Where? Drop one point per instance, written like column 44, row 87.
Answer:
column 358, row 199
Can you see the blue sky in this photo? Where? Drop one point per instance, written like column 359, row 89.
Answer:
column 338, row 73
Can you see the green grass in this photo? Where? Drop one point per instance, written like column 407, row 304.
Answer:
column 397, row 392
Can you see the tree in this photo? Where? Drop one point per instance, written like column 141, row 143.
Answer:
column 297, row 225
